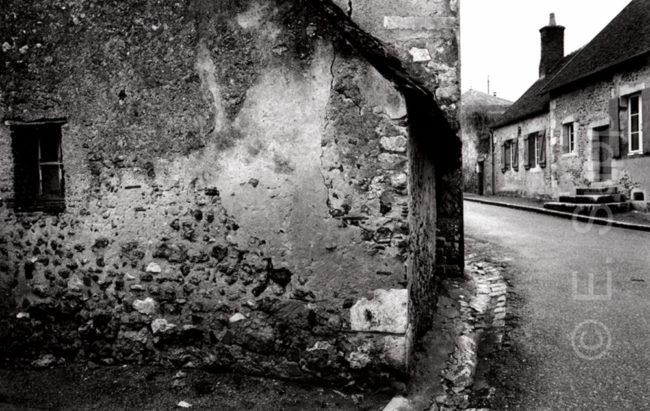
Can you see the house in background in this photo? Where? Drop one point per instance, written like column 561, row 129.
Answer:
column 586, row 121
column 478, row 111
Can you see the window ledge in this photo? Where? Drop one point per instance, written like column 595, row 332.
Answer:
column 569, row 155
column 636, row 154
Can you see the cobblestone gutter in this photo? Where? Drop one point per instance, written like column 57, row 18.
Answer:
column 471, row 315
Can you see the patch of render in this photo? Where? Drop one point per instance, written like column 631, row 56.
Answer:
column 191, row 264
column 207, row 72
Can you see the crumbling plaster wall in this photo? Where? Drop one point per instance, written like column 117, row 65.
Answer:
column 236, row 178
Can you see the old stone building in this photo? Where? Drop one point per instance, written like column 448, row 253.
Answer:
column 478, row 111
column 584, row 122
column 263, row 186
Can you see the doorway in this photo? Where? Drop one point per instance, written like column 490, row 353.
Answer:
column 604, row 153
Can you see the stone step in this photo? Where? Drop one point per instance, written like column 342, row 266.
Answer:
column 592, row 199
column 596, row 210
column 596, row 190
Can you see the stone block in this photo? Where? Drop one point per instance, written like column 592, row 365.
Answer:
column 387, row 312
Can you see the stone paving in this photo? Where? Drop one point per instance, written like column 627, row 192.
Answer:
column 469, row 313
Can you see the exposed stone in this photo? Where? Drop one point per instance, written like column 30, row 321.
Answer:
column 146, row 306
column 219, row 252
column 387, row 311
column 153, row 268
column 236, row 318
column 281, row 276
column 45, row 361
column 396, row 144
column 161, row 326
column 399, row 403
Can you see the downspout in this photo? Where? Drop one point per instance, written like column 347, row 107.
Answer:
column 492, row 162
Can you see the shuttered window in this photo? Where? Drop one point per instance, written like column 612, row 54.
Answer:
column 38, row 166
column 635, row 141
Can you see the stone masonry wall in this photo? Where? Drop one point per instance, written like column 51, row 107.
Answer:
column 425, row 35
column 588, row 108
column 534, row 182
column 238, row 190
column 236, row 179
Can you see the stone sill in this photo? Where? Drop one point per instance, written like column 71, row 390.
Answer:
column 569, row 155
column 634, row 155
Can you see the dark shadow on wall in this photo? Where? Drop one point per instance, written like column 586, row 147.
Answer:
column 435, row 180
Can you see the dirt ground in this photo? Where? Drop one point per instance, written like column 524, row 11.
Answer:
column 147, row 388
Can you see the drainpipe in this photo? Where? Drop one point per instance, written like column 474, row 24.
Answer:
column 492, row 162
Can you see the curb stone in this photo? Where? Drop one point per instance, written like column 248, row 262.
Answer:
column 484, row 313
column 561, row 214
column 470, row 312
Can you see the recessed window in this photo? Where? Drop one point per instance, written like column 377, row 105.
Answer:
column 635, row 120
column 569, row 138
column 39, row 182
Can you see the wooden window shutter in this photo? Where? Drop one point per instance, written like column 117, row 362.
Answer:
column 515, row 157
column 503, row 157
column 526, row 154
column 614, row 128
column 645, row 119
column 542, row 148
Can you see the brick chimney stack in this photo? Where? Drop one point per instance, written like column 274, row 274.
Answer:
column 552, row 46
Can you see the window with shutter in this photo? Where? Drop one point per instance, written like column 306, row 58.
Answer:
column 526, row 153
column 38, row 166
column 634, row 121
column 515, row 155
column 541, row 149
column 614, row 128
column 532, row 149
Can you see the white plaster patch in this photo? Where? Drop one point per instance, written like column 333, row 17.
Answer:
column 387, row 311
column 399, row 403
column 207, row 73
column 419, row 55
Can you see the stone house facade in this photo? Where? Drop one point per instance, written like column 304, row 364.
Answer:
column 583, row 122
column 268, row 187
column 478, row 111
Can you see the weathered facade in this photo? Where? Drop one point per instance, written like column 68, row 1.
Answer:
column 478, row 111
column 584, row 122
column 257, row 186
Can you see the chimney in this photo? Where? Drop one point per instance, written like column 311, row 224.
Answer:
column 552, row 46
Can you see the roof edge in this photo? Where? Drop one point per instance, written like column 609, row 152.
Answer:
column 520, row 118
column 593, row 72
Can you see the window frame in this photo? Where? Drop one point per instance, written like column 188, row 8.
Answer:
column 38, row 131
column 570, row 134
column 639, row 132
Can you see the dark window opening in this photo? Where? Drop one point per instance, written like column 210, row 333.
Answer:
column 39, row 183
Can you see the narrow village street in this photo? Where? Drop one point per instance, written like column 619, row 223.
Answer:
column 569, row 346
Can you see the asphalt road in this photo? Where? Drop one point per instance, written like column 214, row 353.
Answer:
column 583, row 350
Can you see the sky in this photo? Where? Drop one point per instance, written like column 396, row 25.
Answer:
column 501, row 39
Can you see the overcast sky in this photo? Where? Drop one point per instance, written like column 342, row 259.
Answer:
column 501, row 39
